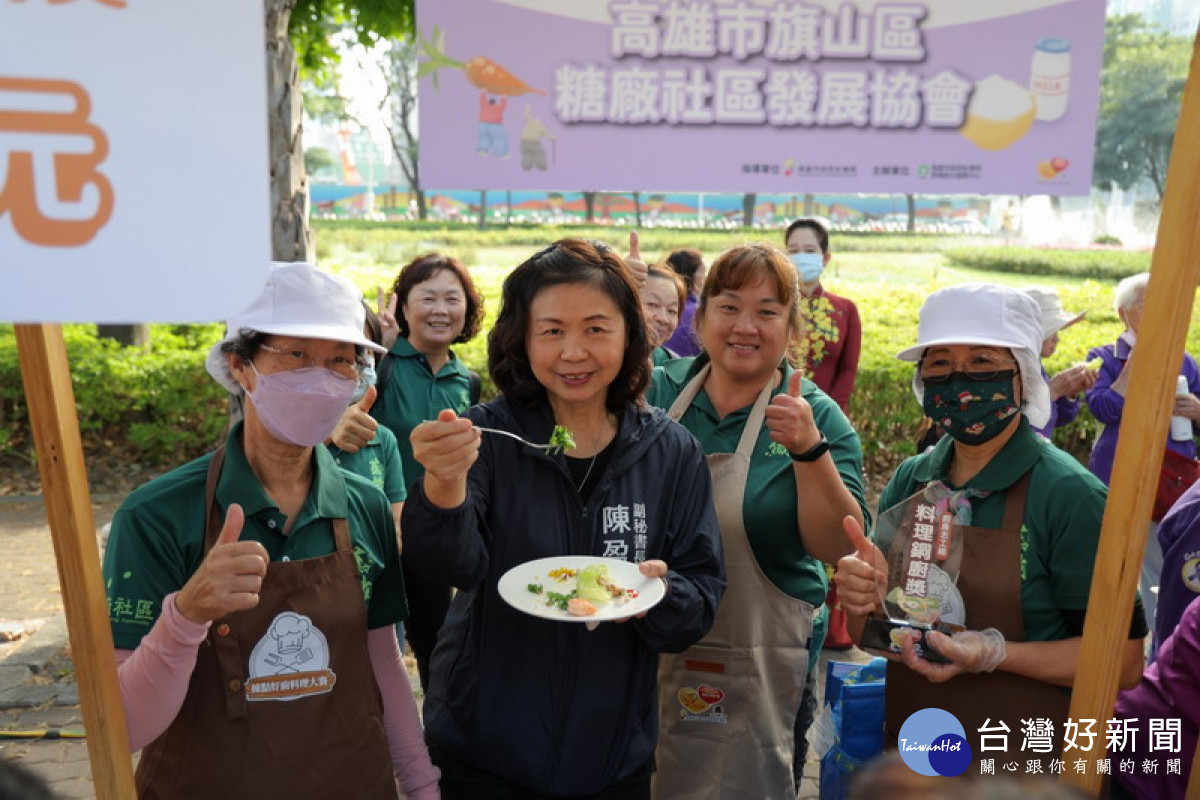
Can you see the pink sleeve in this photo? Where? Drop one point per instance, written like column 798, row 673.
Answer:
column 154, row 677
column 410, row 757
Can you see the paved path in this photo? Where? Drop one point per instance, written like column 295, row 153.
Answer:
column 30, row 596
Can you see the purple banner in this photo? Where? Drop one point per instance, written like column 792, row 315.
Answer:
column 933, row 97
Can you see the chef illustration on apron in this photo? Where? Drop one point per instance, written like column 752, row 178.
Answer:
column 282, row 701
column 987, row 594
column 729, row 703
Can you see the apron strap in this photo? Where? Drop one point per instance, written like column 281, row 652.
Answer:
column 753, row 423
column 341, row 534
column 212, row 519
column 688, row 394
column 1014, row 504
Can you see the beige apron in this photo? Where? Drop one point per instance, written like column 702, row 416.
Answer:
column 728, row 704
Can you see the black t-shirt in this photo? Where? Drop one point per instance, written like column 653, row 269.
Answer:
column 586, row 472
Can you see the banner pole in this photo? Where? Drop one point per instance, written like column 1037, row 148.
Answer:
column 1170, row 295
column 51, row 402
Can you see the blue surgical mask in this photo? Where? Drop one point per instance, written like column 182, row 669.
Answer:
column 809, row 265
column 365, row 380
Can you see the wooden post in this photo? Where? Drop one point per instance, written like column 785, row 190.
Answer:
column 1174, row 272
column 1193, row 787
column 51, row 401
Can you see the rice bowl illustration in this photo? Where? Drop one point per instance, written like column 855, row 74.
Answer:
column 1000, row 113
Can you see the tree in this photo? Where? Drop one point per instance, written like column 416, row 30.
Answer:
column 400, row 70
column 1141, row 89
column 911, row 203
column 298, row 34
column 317, row 159
column 749, row 201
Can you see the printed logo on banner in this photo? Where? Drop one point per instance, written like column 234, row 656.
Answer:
column 933, row 742
column 50, row 152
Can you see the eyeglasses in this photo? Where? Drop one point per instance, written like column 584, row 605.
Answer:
column 979, row 367
column 297, row 360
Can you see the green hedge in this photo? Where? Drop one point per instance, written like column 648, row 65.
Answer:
column 157, row 407
column 160, row 408
column 1102, row 264
column 397, row 243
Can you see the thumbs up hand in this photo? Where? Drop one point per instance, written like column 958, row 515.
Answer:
column 356, row 427
column 861, row 576
column 635, row 263
column 790, row 419
column 230, row 577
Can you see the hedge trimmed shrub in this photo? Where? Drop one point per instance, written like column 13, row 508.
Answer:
column 157, row 407
column 393, row 243
column 160, row 408
column 1104, row 264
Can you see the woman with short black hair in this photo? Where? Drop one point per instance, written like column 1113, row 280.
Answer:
column 689, row 265
column 525, row 707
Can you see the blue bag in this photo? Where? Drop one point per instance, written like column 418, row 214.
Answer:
column 854, row 702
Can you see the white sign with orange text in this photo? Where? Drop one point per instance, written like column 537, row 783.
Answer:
column 134, row 179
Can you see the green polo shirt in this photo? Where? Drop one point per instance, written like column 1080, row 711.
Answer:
column 414, row 395
column 1061, row 529
column 769, row 507
column 661, row 355
column 378, row 462
column 157, row 539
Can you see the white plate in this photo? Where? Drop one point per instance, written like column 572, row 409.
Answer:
column 514, row 588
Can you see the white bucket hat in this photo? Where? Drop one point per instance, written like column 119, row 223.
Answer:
column 1054, row 318
column 297, row 300
column 986, row 314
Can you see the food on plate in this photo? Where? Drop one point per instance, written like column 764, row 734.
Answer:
column 561, row 439
column 562, row 574
column 580, row 607
column 593, row 587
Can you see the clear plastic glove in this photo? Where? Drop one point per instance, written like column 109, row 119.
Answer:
column 968, row 651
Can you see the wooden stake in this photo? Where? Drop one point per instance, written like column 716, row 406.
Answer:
column 1174, row 272
column 51, row 401
column 1193, row 787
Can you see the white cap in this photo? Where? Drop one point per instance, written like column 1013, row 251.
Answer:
column 1054, row 318
column 986, row 314
column 297, row 300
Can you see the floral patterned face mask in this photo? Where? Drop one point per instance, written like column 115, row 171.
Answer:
column 972, row 411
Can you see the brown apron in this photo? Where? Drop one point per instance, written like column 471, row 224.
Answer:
column 282, row 701
column 728, row 704
column 990, row 584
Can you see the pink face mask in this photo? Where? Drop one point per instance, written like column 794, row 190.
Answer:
column 301, row 406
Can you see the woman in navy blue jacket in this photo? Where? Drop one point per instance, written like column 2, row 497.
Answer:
column 523, row 707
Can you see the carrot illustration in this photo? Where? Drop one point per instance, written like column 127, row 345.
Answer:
column 481, row 71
